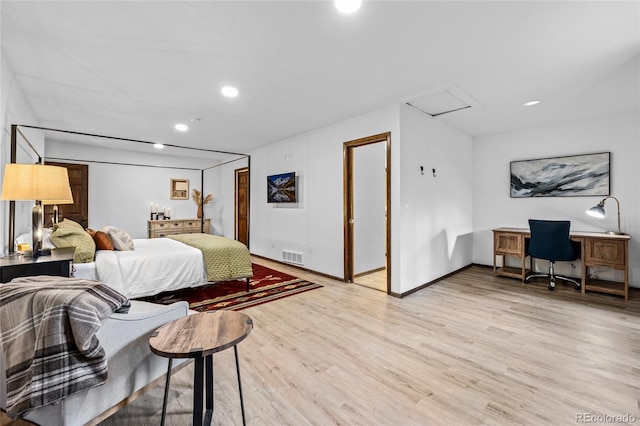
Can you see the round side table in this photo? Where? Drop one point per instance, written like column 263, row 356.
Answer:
column 199, row 336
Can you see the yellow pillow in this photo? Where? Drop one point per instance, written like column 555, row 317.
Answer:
column 71, row 234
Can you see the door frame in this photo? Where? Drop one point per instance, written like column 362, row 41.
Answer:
column 236, row 172
column 348, row 148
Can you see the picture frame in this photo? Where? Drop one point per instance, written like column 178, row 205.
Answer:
column 281, row 188
column 568, row 176
column 179, row 189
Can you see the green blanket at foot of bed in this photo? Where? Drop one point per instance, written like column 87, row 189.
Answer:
column 224, row 258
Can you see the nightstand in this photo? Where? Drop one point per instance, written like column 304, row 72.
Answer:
column 56, row 264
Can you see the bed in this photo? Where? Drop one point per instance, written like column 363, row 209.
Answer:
column 166, row 264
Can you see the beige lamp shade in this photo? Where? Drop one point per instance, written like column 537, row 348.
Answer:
column 49, row 184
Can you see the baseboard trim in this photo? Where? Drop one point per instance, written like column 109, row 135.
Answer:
column 481, row 265
column 423, row 286
column 393, row 294
column 299, row 267
column 362, row 274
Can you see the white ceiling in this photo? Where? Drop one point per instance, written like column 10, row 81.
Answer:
column 134, row 69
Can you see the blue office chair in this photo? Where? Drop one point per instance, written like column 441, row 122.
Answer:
column 550, row 241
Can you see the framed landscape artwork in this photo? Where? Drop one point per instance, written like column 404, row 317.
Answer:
column 569, row 176
column 282, row 188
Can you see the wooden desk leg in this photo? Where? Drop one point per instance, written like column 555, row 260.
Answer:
column 626, row 280
column 585, row 269
column 494, row 264
column 198, row 385
column 166, row 392
column 235, row 349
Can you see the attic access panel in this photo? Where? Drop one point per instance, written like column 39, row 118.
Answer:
column 442, row 101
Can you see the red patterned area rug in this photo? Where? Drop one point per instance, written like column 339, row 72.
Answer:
column 265, row 285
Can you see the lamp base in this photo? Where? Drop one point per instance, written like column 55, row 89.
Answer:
column 614, row 233
column 44, row 252
column 36, row 229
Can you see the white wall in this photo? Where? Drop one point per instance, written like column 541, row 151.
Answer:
column 493, row 208
column 15, row 109
column 314, row 225
column 431, row 217
column 121, row 195
column 435, row 214
column 220, row 182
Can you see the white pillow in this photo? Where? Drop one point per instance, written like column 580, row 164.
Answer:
column 119, row 237
column 46, row 238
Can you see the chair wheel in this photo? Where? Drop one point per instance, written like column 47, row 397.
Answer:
column 552, row 285
column 577, row 287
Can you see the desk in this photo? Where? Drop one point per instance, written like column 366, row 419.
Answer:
column 199, row 336
column 597, row 249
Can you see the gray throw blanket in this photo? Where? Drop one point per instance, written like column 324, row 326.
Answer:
column 47, row 332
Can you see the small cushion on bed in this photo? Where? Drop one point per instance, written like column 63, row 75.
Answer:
column 102, row 240
column 71, row 234
column 119, row 237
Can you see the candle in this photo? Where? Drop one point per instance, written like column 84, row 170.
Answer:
column 164, row 210
column 151, row 211
column 156, row 208
column 169, row 211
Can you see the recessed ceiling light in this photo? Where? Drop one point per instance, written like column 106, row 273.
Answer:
column 348, row 6
column 181, row 127
column 229, row 91
column 530, row 103
column 158, row 146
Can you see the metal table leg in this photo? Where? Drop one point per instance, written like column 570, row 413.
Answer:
column 166, row 392
column 209, row 389
column 235, row 349
column 198, row 376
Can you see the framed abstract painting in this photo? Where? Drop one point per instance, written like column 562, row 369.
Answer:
column 569, row 176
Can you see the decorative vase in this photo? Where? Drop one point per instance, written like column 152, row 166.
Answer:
column 199, row 214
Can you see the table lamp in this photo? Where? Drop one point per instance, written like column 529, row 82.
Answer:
column 598, row 211
column 44, row 185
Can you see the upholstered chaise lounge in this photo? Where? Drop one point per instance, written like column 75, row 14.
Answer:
column 131, row 367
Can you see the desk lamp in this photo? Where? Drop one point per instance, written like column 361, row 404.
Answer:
column 43, row 184
column 598, row 211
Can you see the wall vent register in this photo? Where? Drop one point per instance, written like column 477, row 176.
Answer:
column 292, row 257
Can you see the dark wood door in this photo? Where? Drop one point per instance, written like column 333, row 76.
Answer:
column 79, row 210
column 242, row 206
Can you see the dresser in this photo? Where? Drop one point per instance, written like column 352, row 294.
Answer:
column 58, row 263
column 597, row 250
column 162, row 228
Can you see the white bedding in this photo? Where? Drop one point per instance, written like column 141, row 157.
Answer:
column 85, row 270
column 153, row 266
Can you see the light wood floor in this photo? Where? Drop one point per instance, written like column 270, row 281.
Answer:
column 471, row 349
column 376, row 280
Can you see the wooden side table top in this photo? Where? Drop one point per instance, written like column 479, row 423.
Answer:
column 200, row 334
